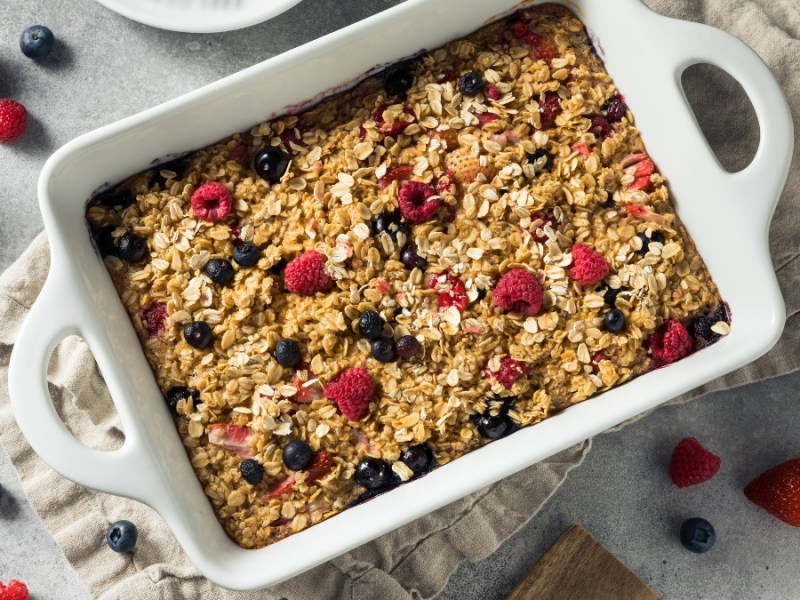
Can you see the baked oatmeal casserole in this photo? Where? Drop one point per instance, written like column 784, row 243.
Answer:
column 337, row 301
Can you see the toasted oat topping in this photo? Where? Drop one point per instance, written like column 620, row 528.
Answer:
column 544, row 157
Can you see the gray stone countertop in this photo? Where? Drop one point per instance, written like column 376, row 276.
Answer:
column 109, row 67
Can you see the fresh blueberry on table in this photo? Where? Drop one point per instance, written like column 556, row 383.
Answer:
column 418, row 458
column 287, row 353
column 271, row 163
column 197, row 334
column 614, row 320
column 252, row 471
column 132, row 248
column 698, row 535
column 373, row 473
column 220, row 271
column 370, row 325
column 246, row 254
column 37, row 41
column 470, row 84
column 384, row 350
column 297, row 455
column 121, row 536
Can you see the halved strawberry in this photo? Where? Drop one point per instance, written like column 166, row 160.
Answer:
column 778, row 491
column 234, row 438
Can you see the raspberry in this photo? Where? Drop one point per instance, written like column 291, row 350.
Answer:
column 519, row 290
column 669, row 343
column 509, row 371
column 398, row 173
column 395, row 127
column 692, row 464
column 451, row 292
column 601, row 128
column 540, row 221
column 15, row 590
column 352, row 391
column 484, row 118
column 544, row 49
column 589, row 267
column 493, row 92
column 531, row 39
column 549, row 109
column 305, row 274
column 414, row 204
column 519, row 31
column 13, row 120
column 153, row 318
column 212, row 202
column 778, row 491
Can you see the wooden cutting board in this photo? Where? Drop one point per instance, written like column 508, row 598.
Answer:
column 578, row 567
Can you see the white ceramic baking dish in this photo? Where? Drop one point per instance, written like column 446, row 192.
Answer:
column 727, row 215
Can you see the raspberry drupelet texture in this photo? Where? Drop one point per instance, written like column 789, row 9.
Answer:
column 306, row 275
column 352, row 391
column 14, row 590
column 212, row 202
column 692, row 464
column 588, row 267
column 508, row 372
column 519, row 290
column 416, row 202
column 13, row 120
column 670, row 342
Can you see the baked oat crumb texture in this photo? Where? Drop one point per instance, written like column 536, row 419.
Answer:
column 503, row 204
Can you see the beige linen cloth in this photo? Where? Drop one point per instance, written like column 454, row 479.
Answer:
column 415, row 560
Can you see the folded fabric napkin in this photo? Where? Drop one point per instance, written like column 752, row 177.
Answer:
column 415, row 560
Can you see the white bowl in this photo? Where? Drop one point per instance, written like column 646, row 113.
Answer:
column 199, row 16
column 727, row 214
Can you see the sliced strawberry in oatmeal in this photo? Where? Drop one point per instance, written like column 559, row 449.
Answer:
column 234, row 438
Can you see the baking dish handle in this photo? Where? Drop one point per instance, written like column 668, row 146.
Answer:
column 55, row 315
column 761, row 181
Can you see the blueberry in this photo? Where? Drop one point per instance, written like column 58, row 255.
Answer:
column 297, row 455
column 271, row 163
column 493, row 426
column 104, row 240
column 37, row 41
column 121, row 536
column 370, row 325
column 418, row 458
column 721, row 314
column 610, row 294
column 698, row 535
column 252, row 471
column 178, row 393
column 373, row 473
column 114, row 199
column 390, row 223
column 658, row 236
column 179, row 166
column 246, row 254
column 132, row 248
column 541, row 159
column 407, row 346
column 700, row 328
column 615, row 108
column 398, row 79
column 197, row 334
column 278, row 267
column 287, row 353
column 614, row 320
column 645, row 243
column 470, row 84
column 384, row 350
column 410, row 258
column 481, row 294
column 219, row 271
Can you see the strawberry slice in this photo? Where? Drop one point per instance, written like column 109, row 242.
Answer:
column 639, row 211
column 398, row 173
column 484, row 118
column 234, row 438
column 308, row 386
column 582, row 148
column 321, row 465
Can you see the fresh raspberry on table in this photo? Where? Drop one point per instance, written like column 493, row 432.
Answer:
column 669, row 343
column 588, row 267
column 15, row 590
column 519, row 290
column 352, row 391
column 778, row 491
column 549, row 109
column 416, row 204
column 306, row 275
column 13, row 120
column 692, row 464
column 212, row 202
column 508, row 372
